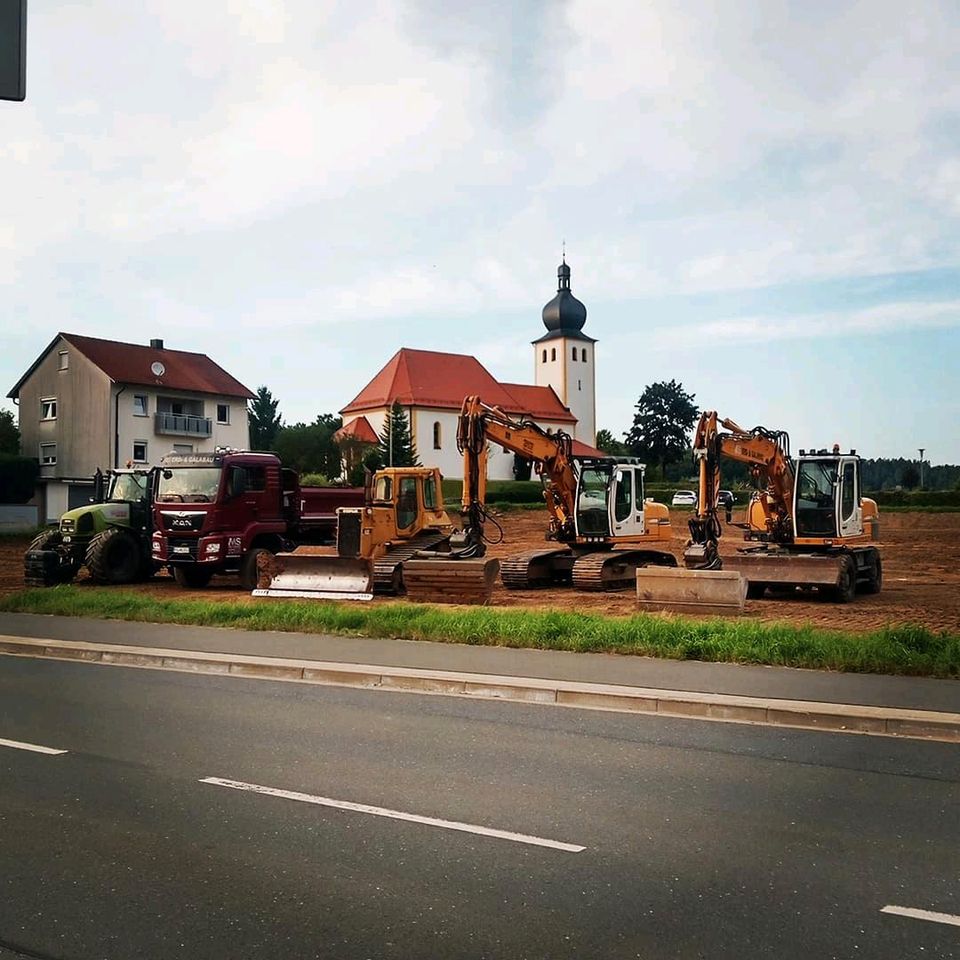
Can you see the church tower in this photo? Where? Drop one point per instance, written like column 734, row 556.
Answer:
column 565, row 359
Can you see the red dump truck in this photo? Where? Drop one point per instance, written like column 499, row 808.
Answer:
column 217, row 512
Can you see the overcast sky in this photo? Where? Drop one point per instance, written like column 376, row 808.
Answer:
column 760, row 200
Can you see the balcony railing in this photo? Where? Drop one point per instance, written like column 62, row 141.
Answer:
column 181, row 425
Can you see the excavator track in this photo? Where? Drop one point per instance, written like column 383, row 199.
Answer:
column 536, row 568
column 388, row 569
column 615, row 569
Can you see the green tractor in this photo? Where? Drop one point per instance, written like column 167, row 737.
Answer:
column 111, row 535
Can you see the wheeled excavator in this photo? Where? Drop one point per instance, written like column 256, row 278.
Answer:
column 808, row 524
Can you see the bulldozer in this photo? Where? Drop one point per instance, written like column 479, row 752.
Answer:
column 807, row 526
column 111, row 535
column 401, row 542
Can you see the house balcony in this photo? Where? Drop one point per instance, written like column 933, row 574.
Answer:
column 182, row 425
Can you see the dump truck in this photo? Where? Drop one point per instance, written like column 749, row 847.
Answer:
column 218, row 513
column 400, row 542
column 807, row 525
column 110, row 536
column 604, row 526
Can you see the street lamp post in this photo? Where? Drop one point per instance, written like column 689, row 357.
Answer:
column 921, row 449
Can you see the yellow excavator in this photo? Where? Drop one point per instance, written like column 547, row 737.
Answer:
column 808, row 524
column 598, row 511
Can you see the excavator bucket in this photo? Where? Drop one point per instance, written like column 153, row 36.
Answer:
column 450, row 581
column 313, row 577
column 679, row 590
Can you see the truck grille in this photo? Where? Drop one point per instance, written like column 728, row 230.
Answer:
column 176, row 551
column 183, row 520
column 348, row 534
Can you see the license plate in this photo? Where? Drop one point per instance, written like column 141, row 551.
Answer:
column 181, row 549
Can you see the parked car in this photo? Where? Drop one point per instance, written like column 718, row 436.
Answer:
column 684, row 498
column 725, row 498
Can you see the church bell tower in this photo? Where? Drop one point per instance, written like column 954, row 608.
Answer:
column 565, row 358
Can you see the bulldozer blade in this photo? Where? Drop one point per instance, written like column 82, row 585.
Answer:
column 313, row 577
column 690, row 591
column 450, row 581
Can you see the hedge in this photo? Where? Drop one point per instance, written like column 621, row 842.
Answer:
column 18, row 478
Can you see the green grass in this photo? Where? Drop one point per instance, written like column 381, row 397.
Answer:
column 904, row 649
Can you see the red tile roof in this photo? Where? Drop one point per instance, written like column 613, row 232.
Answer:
column 358, row 430
column 131, row 363
column 427, row 378
column 581, row 449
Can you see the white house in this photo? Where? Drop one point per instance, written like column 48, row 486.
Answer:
column 430, row 386
column 87, row 403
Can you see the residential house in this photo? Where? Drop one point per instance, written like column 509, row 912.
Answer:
column 87, row 403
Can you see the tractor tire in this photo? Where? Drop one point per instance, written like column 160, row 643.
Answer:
column 47, row 571
column 114, row 556
column 48, row 540
column 193, row 578
column 248, row 569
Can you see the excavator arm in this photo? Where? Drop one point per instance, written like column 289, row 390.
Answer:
column 481, row 425
column 768, row 453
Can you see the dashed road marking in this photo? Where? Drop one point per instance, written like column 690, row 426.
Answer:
column 916, row 914
column 33, row 747
column 395, row 814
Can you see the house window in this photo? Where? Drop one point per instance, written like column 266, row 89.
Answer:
column 48, row 454
column 64, row 360
column 223, row 413
column 183, row 448
column 436, row 435
column 48, row 409
column 553, row 353
column 583, row 355
column 574, row 353
column 139, row 405
column 139, row 451
column 544, row 356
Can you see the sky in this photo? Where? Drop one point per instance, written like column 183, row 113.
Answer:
column 760, row 201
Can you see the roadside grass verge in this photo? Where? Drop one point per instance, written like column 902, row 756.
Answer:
column 901, row 649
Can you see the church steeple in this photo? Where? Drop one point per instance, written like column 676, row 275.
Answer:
column 564, row 315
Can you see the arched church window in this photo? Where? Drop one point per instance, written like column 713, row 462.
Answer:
column 583, row 356
column 436, row 435
column 574, row 353
column 544, row 356
column 553, row 353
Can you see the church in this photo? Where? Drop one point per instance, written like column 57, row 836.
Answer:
column 430, row 386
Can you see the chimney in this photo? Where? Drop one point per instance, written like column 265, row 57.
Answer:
column 156, row 344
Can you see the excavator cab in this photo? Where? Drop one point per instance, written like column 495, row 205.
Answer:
column 610, row 499
column 827, row 503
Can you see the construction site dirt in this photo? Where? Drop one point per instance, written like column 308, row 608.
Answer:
column 921, row 578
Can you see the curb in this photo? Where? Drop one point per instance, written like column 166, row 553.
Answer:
column 804, row 714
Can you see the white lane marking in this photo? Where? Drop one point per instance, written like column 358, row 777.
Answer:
column 395, row 814
column 916, row 914
column 36, row 748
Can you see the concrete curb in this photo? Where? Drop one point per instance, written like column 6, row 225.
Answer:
column 836, row 717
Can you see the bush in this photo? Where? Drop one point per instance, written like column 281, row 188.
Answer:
column 314, row 480
column 500, row 491
column 18, row 478
column 916, row 498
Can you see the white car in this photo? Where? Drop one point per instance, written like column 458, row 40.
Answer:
column 684, row 498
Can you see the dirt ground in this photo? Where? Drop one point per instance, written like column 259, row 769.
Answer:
column 921, row 577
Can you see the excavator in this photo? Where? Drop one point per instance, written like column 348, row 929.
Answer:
column 807, row 523
column 403, row 541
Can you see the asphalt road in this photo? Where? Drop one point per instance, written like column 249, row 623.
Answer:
column 698, row 839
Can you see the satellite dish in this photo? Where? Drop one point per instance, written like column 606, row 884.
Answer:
column 157, row 368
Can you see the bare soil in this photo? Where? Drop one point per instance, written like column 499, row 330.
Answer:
column 921, row 577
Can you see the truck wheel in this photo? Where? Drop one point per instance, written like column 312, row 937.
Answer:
column 876, row 577
column 114, row 557
column 248, row 569
column 846, row 588
column 192, row 577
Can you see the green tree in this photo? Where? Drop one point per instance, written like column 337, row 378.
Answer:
column 396, row 447
column 310, row 447
column 9, row 434
column 609, row 444
column 665, row 416
column 265, row 422
column 910, row 476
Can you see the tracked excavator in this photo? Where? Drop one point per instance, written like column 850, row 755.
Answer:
column 604, row 525
column 808, row 526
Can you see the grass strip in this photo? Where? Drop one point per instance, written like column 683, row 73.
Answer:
column 901, row 649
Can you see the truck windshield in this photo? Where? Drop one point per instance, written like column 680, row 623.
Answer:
column 188, row 485
column 127, row 487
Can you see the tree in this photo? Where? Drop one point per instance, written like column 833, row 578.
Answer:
column 665, row 416
column 9, row 434
column 609, row 444
column 396, row 447
column 265, row 422
column 310, row 447
column 910, row 476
